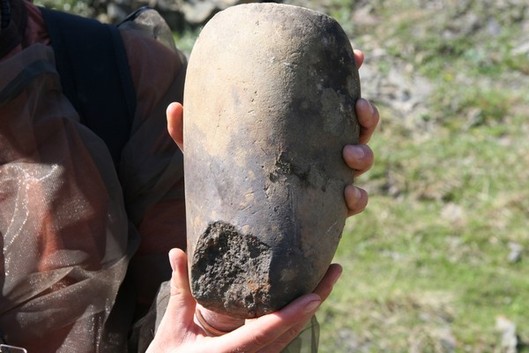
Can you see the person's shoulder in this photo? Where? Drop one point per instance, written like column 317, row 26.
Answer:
column 147, row 37
column 147, row 55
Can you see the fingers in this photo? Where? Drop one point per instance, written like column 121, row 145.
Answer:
column 175, row 123
column 180, row 288
column 286, row 338
column 177, row 321
column 368, row 118
column 359, row 57
column 323, row 290
column 216, row 324
column 280, row 343
column 358, row 157
column 267, row 333
column 356, row 199
column 271, row 333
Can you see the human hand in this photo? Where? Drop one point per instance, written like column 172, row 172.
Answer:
column 360, row 157
column 179, row 332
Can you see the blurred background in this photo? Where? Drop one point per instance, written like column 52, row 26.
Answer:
column 439, row 261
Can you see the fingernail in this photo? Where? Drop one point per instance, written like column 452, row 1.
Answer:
column 335, row 279
column 172, row 260
column 372, row 108
column 358, row 193
column 356, row 151
column 363, row 102
column 360, row 153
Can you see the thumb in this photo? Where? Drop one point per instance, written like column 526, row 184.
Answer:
column 181, row 297
column 177, row 321
column 175, row 123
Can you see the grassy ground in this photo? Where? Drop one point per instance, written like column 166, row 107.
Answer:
column 434, row 264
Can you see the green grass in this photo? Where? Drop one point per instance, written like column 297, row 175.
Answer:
column 427, row 263
column 186, row 39
column 430, row 253
column 426, row 266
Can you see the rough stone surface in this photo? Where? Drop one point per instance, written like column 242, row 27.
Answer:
column 269, row 105
column 239, row 264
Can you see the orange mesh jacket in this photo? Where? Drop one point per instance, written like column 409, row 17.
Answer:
column 71, row 228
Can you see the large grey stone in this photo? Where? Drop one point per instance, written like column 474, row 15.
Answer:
column 269, row 105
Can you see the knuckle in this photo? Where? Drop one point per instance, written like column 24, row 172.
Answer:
column 261, row 339
column 291, row 334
